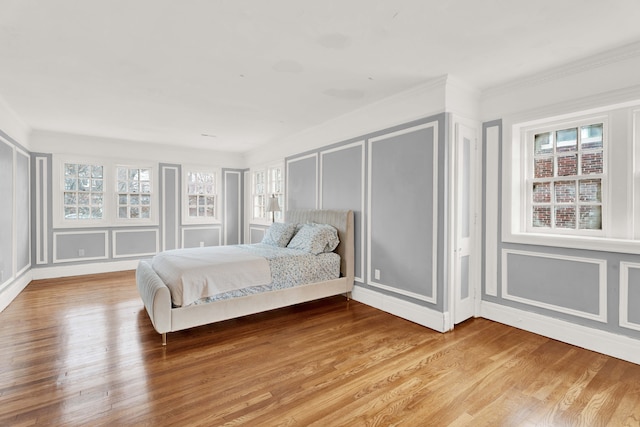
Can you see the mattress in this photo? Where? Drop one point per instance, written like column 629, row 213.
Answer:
column 200, row 275
column 289, row 268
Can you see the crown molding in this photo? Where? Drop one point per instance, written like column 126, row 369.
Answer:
column 623, row 53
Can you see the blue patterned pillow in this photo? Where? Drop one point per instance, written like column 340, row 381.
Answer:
column 279, row 234
column 315, row 238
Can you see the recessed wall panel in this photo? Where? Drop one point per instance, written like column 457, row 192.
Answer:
column 232, row 208
column 402, row 212
column 302, row 182
column 6, row 212
column 23, row 211
column 194, row 237
column 129, row 243
column 72, row 246
column 633, row 296
column 342, row 187
column 565, row 284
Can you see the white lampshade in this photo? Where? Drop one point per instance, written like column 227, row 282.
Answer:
column 273, row 205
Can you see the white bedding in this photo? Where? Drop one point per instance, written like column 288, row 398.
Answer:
column 192, row 274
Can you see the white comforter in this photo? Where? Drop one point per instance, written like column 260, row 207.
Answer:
column 197, row 273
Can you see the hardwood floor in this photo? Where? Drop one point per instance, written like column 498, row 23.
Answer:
column 82, row 351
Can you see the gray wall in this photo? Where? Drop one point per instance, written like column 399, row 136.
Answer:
column 66, row 246
column 387, row 178
column 15, row 245
column 579, row 286
column 6, row 211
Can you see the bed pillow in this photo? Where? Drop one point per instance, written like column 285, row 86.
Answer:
column 315, row 238
column 279, row 234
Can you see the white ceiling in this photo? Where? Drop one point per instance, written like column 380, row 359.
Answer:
column 255, row 71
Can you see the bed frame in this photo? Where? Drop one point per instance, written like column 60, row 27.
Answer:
column 157, row 299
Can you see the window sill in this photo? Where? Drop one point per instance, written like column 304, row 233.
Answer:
column 600, row 244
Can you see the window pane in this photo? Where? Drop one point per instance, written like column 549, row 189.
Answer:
column 96, row 172
column 145, row 212
column 565, row 191
column 83, row 185
column 542, row 192
column 134, row 212
column 123, row 199
column 541, row 216
column 591, row 136
column 134, row 186
column 566, row 217
column 544, row 168
column 590, row 190
column 193, row 200
column 122, row 174
column 567, row 140
column 568, row 165
column 134, row 199
column 592, row 163
column 70, row 184
column 70, row 212
column 591, row 217
column 84, row 199
column 84, row 213
column 84, row 171
column 70, row 169
column 96, row 213
column 202, row 200
column 96, row 199
column 543, row 143
column 122, row 187
column 210, row 211
column 96, row 185
column 145, row 174
column 145, row 199
column 122, row 212
column 145, row 187
column 70, row 199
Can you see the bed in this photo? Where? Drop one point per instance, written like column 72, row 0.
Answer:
column 167, row 317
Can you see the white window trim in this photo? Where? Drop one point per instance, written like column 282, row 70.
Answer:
column 216, row 171
column 110, row 217
column 526, row 141
column 514, row 163
column 267, row 193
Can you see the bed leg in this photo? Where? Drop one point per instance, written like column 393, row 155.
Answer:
column 164, row 339
column 348, row 296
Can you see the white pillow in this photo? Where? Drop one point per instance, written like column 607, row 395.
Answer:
column 315, row 238
column 279, row 234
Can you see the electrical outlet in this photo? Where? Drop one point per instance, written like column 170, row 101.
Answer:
column 376, row 274
column 80, row 252
column 202, row 244
column 1, row 275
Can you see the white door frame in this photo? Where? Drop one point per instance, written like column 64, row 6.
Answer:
column 471, row 130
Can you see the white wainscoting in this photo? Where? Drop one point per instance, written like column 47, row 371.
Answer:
column 434, row 261
column 601, row 316
column 407, row 310
column 582, row 336
column 624, row 295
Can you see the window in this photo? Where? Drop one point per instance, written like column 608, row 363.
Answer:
column 100, row 192
column 202, row 196
column 267, row 183
column 568, row 169
column 83, row 192
column 134, row 193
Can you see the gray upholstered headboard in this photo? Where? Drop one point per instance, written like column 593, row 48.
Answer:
column 342, row 220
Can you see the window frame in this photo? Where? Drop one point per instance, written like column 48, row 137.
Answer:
column 110, row 194
column 186, row 219
column 153, row 193
column 267, row 192
column 528, row 135
column 622, row 186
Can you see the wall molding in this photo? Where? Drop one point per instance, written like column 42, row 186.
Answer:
column 415, row 313
column 210, row 227
column 592, row 339
column 624, row 295
column 165, row 228
column 83, row 269
column 608, row 57
column 12, row 290
column 114, row 238
column 316, row 188
column 42, row 206
column 434, row 261
column 79, row 259
column 602, row 284
column 363, row 187
column 226, row 223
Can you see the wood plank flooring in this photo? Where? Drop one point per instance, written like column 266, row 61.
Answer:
column 81, row 351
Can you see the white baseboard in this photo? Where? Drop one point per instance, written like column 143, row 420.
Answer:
column 407, row 310
column 608, row 343
column 12, row 290
column 82, row 269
